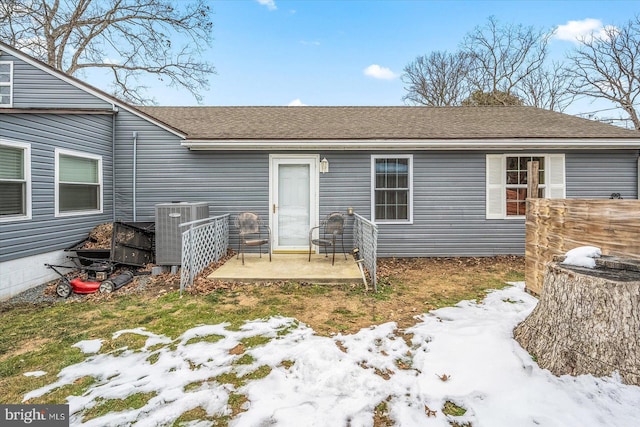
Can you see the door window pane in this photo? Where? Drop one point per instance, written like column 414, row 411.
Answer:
column 294, row 210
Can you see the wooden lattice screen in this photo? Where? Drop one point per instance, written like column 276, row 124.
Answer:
column 554, row 226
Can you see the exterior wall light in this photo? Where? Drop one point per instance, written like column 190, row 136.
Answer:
column 324, row 165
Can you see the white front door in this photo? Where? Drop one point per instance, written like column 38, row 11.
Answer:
column 293, row 200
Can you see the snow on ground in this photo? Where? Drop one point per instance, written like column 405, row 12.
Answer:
column 35, row 374
column 320, row 381
column 89, row 346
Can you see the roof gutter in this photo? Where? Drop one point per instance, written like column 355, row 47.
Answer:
column 512, row 144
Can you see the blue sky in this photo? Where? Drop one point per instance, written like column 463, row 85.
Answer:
column 317, row 52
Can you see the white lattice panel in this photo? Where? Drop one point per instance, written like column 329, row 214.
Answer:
column 202, row 245
column 365, row 236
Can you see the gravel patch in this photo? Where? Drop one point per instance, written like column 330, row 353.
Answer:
column 35, row 295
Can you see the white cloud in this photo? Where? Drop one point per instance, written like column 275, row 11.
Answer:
column 296, row 103
column 378, row 72
column 586, row 29
column 271, row 4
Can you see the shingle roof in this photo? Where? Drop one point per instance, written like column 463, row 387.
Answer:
column 379, row 123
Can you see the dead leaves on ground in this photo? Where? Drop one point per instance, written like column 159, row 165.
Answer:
column 389, row 267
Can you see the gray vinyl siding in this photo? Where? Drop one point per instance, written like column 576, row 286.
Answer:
column 35, row 88
column 230, row 182
column 165, row 171
column 597, row 175
column 449, row 212
column 449, row 190
column 44, row 232
column 448, row 206
column 449, row 203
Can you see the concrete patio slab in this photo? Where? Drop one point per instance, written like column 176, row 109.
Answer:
column 289, row 267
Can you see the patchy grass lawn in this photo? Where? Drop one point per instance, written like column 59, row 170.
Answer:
column 40, row 337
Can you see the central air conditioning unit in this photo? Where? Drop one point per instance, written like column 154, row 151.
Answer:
column 168, row 233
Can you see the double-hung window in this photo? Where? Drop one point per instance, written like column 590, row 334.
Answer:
column 78, row 183
column 507, row 182
column 6, row 84
column 391, row 186
column 15, row 181
column 516, row 183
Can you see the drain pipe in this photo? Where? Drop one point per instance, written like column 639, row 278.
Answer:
column 113, row 161
column 133, row 179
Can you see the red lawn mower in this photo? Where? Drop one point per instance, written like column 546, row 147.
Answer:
column 132, row 247
column 95, row 277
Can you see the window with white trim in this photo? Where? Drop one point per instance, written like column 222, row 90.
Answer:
column 78, row 183
column 507, row 182
column 15, row 181
column 6, row 84
column 391, row 187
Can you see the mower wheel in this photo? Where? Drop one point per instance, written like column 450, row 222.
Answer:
column 63, row 289
column 107, row 287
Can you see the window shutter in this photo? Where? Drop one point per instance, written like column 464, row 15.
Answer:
column 557, row 188
column 495, row 186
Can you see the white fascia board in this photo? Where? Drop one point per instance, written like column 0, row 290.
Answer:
column 89, row 89
column 435, row 144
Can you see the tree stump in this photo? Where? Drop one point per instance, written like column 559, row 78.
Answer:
column 587, row 321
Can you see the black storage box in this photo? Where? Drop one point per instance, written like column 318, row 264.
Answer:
column 133, row 243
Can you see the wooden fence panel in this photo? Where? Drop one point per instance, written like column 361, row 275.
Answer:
column 554, row 226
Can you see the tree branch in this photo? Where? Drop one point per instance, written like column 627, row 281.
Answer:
column 132, row 37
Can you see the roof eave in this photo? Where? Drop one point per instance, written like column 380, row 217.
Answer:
column 115, row 102
column 513, row 144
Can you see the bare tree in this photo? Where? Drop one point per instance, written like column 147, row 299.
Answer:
column 606, row 67
column 496, row 65
column 503, row 56
column 132, row 38
column 549, row 88
column 438, row 79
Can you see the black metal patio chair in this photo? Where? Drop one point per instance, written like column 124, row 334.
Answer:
column 251, row 232
column 330, row 228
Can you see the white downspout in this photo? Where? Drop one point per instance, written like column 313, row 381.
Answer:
column 135, row 164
